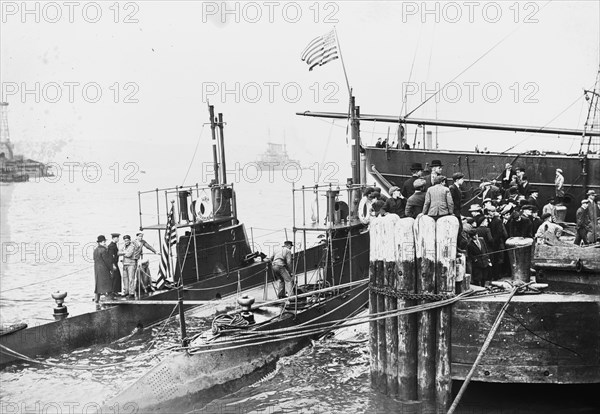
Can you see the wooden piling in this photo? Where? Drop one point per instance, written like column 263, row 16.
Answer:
column 382, row 367
column 391, row 331
column 407, row 324
column 424, row 234
column 373, row 324
column 446, row 236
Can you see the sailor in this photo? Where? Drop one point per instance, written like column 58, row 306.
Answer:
column 408, row 188
column 559, row 184
column 379, row 143
column 396, row 204
column 129, row 266
column 102, row 269
column 436, row 170
column 141, row 281
column 282, row 269
column 113, row 251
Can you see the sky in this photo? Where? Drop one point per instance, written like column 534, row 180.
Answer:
column 113, row 81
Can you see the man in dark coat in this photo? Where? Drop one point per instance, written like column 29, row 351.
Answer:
column 414, row 204
column 408, row 188
column 534, row 198
column 113, row 251
column 521, row 225
column 583, row 222
column 456, row 192
column 102, row 269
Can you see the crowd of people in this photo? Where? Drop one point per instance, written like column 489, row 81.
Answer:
column 508, row 206
column 135, row 278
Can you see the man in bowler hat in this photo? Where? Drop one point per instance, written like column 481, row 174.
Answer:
column 436, row 171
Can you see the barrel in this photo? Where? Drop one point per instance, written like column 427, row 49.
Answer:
column 519, row 255
column 561, row 213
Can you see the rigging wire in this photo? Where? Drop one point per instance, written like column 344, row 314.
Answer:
column 193, row 155
column 472, row 64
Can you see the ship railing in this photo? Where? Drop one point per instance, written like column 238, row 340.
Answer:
column 192, row 204
column 326, row 207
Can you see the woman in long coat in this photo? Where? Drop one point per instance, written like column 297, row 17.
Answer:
column 102, row 269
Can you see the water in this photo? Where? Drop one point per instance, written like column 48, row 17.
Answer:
column 332, row 376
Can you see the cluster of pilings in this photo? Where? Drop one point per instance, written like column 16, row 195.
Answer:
column 412, row 262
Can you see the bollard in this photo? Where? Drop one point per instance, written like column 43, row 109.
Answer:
column 60, row 311
column 519, row 255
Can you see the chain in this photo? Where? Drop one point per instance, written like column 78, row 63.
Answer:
column 401, row 294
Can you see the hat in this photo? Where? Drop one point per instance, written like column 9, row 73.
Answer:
column 528, row 207
column 590, row 192
column 507, row 209
column 436, row 163
column 419, row 183
column 392, row 189
column 417, row 166
column 101, row 239
column 127, row 237
column 491, row 209
column 475, row 207
column 113, row 235
column 585, row 201
column 486, row 200
column 545, row 216
column 288, row 243
column 139, row 234
column 439, row 179
column 457, row 176
column 484, row 183
column 534, row 190
column 559, row 170
column 507, row 165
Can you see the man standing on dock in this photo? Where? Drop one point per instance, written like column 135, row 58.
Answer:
column 436, row 171
column 282, row 269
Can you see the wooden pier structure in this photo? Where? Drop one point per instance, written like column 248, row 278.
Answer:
column 413, row 264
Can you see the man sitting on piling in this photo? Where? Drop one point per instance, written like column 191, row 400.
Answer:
column 282, row 269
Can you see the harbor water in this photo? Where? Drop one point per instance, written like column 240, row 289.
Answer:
column 47, row 230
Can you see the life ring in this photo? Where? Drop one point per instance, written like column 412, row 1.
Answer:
column 204, row 207
column 364, row 210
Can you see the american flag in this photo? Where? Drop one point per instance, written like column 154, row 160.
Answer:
column 320, row 50
column 164, row 270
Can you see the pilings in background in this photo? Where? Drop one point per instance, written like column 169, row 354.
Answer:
column 412, row 262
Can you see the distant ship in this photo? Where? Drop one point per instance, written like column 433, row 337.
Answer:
column 16, row 168
column 276, row 157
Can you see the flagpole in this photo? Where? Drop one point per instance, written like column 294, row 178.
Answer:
column 342, row 59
